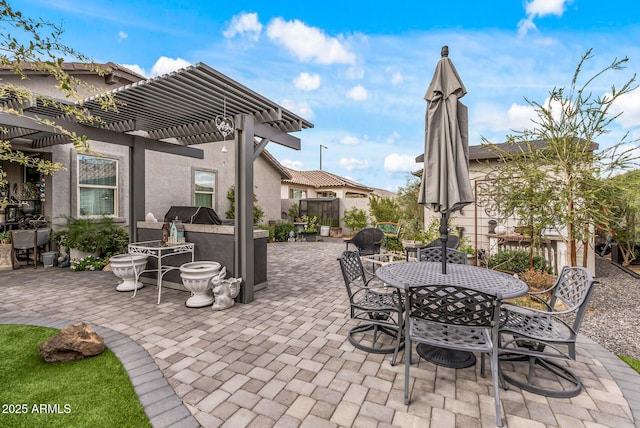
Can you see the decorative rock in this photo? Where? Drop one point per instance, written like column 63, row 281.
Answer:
column 73, row 342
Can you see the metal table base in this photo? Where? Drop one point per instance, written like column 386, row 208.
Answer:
column 446, row 357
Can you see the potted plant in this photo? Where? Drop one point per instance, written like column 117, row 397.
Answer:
column 310, row 227
column 88, row 237
column 30, row 195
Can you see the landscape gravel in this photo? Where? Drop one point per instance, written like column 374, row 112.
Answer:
column 612, row 319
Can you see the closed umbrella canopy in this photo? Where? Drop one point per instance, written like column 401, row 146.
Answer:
column 445, row 185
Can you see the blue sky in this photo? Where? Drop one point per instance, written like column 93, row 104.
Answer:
column 358, row 70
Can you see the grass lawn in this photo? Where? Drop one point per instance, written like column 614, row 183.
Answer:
column 635, row 364
column 92, row 392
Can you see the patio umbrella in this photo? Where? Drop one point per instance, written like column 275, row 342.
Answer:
column 445, row 186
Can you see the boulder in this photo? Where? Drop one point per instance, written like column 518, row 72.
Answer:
column 73, row 342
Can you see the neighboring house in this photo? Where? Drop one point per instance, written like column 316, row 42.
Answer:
column 323, row 185
column 473, row 220
column 320, row 184
column 96, row 183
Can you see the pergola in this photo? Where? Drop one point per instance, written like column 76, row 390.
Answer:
column 170, row 114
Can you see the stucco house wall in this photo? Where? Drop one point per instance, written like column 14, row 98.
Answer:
column 169, row 178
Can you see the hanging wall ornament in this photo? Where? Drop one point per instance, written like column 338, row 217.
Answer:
column 225, row 123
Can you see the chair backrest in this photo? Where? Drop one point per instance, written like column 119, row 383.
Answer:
column 573, row 288
column 23, row 239
column 453, row 241
column 390, row 229
column 454, row 305
column 434, row 254
column 368, row 240
column 352, row 270
column 42, row 237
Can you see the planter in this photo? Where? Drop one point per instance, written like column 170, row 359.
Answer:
column 196, row 277
column 75, row 254
column 309, row 237
column 411, row 244
column 325, row 230
column 127, row 267
column 336, row 232
column 5, row 257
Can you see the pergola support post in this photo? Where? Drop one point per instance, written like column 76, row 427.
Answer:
column 137, row 201
column 243, row 235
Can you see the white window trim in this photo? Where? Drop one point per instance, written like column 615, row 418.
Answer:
column 116, row 204
column 214, row 193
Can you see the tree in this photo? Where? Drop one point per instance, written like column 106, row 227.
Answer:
column 407, row 199
column 624, row 204
column 383, row 209
column 34, row 44
column 550, row 175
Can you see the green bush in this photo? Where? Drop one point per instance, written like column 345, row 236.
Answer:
column 282, row 229
column 355, row 218
column 269, row 229
column 516, row 261
column 102, row 236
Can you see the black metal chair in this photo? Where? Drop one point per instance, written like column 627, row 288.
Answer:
column 377, row 308
column 453, row 241
column 538, row 336
column 434, row 254
column 455, row 318
column 367, row 241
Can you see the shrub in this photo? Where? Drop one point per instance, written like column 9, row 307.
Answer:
column 355, row 218
column 102, row 236
column 537, row 280
column 516, row 261
column 282, row 229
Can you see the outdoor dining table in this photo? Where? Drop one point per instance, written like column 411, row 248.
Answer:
column 404, row 275
column 160, row 250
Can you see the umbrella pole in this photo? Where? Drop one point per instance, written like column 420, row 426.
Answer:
column 444, row 229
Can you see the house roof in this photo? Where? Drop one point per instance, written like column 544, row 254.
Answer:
column 486, row 152
column 321, row 179
column 115, row 73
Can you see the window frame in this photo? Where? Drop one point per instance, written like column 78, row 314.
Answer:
column 213, row 193
column 115, row 187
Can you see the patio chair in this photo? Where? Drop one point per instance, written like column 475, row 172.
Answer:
column 538, row 336
column 367, row 241
column 391, row 231
column 434, row 254
column 453, row 241
column 456, row 318
column 377, row 308
column 24, row 241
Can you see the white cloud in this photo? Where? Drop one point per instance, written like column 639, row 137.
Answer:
column 539, row 9
column 391, row 139
column 357, row 93
column 309, row 44
column 396, row 79
column 355, row 73
column 293, row 164
column 166, row 65
column 629, row 105
column 136, row 69
column 122, row 35
column 245, row 25
column 353, row 163
column 400, row 163
column 301, row 109
column 307, row 82
column 349, row 140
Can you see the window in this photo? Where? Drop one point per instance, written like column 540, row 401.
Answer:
column 326, row 194
column 97, row 186
column 204, row 184
column 297, row 194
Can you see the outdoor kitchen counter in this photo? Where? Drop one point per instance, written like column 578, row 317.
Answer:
column 213, row 243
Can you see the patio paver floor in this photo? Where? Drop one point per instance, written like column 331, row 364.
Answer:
column 284, row 360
